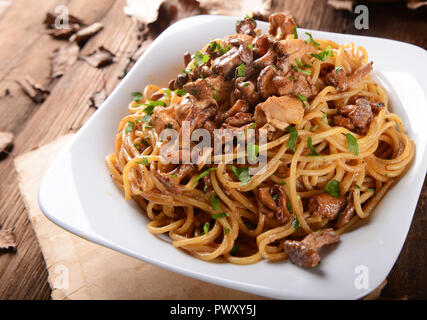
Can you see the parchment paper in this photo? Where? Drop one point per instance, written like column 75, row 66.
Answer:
column 79, row 269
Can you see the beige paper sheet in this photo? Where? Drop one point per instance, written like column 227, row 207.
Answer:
column 79, row 269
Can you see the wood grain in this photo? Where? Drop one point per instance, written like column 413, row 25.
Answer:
column 25, row 49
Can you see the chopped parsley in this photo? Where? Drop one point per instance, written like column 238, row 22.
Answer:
column 137, row 96
column 295, row 223
column 200, row 58
column 169, row 126
column 173, row 176
column 372, row 190
column 253, row 125
column 291, row 78
column 310, row 146
column 245, row 84
column 314, row 128
column 130, row 126
column 215, row 202
column 275, row 197
column 242, row 174
column 276, row 67
column 143, row 161
column 250, row 46
column 352, row 144
column 311, row 40
column 206, row 227
column 357, row 186
column 234, row 250
column 323, row 55
column 292, row 138
column 217, row 47
column 282, row 183
column 203, row 174
column 297, row 68
column 241, row 70
column 226, row 230
column 180, row 92
column 252, row 151
column 333, row 188
column 289, row 207
column 324, row 116
column 220, row 215
column 151, row 105
column 294, row 29
column 338, row 68
column 302, row 98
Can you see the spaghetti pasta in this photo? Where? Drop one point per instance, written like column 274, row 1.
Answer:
column 347, row 149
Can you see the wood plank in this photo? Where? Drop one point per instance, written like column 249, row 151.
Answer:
column 23, row 274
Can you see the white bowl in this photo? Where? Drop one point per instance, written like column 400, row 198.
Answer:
column 77, row 192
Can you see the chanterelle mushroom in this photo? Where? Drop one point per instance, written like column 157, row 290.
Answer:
column 304, row 253
column 282, row 111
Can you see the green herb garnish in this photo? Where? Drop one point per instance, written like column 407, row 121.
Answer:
column 143, row 161
column 226, row 230
column 252, row 151
column 203, row 174
column 130, row 126
column 215, row 202
column 333, row 188
column 220, row 215
column 206, row 227
column 310, row 146
column 323, row 55
column 200, row 58
column 151, row 105
column 137, row 96
column 234, row 250
column 180, row 92
column 241, row 70
column 352, row 144
column 295, row 223
column 292, row 138
column 242, row 174
column 294, row 29
column 302, row 98
column 311, row 40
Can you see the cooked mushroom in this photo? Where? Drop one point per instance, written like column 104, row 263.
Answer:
column 304, row 253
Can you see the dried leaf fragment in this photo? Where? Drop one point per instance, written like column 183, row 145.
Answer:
column 63, row 58
column 6, row 140
column 60, row 29
column 7, row 239
column 342, row 4
column 34, row 90
column 98, row 98
column 101, row 57
column 50, row 20
column 87, row 32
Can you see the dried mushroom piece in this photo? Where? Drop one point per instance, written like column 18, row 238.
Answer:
column 6, row 140
column 34, row 90
column 7, row 240
column 101, row 57
column 63, row 30
column 87, row 32
column 63, row 58
column 98, row 98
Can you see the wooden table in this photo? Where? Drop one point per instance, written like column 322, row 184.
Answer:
column 25, row 49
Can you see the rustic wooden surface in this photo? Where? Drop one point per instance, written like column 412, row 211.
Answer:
column 25, row 49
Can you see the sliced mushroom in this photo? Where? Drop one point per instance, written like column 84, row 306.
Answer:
column 304, row 253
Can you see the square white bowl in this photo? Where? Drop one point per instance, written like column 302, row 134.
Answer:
column 78, row 195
